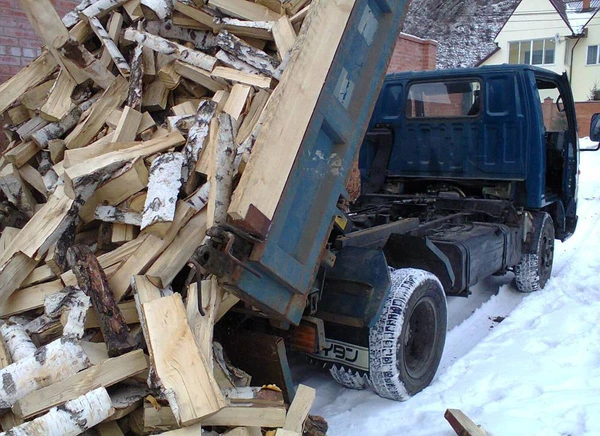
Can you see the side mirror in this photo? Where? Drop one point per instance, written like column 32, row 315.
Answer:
column 594, row 132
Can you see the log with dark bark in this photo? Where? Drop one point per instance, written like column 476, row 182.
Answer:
column 92, row 280
column 134, row 99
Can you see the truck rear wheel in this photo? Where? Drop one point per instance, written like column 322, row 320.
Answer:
column 535, row 267
column 406, row 344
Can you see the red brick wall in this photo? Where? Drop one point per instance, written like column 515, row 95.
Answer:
column 19, row 44
column 413, row 54
column 584, row 111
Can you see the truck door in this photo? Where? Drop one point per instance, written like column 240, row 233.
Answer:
column 561, row 151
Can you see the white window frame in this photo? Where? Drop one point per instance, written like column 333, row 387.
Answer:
column 531, row 41
column 587, row 63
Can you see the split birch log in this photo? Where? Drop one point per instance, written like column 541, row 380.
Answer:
column 58, row 104
column 113, row 29
column 163, row 188
column 21, row 154
column 82, row 179
column 198, row 135
column 55, row 304
column 284, row 35
column 110, row 46
column 181, row 371
column 92, row 280
column 72, row 17
column 32, row 75
column 298, row 411
column 161, row 8
column 18, row 342
column 199, row 198
column 111, row 214
column 57, row 130
column 235, row 63
column 127, row 128
column 26, row 130
column 78, row 308
column 248, row 29
column 202, row 326
column 199, row 76
column 245, row 10
column 104, row 374
column 101, row 8
column 54, row 362
column 222, row 177
column 112, row 98
column 257, row 58
column 16, row 191
column 202, row 40
column 49, row 176
column 134, row 98
column 180, row 52
column 70, row 419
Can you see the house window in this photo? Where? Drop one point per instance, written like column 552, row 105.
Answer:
column 592, row 55
column 534, row 52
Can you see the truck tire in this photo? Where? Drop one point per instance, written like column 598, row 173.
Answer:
column 535, row 267
column 406, row 344
column 347, row 377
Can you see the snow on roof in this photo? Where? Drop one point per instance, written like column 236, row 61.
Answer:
column 578, row 18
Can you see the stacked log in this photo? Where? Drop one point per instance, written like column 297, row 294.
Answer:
column 128, row 137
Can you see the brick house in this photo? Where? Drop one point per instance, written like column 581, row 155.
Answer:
column 413, row 54
column 19, row 44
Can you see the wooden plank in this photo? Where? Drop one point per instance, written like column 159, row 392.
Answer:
column 236, row 103
column 8, row 235
column 59, row 104
column 146, row 123
column 298, row 412
column 144, row 289
column 16, row 191
column 27, row 78
column 295, row 98
column 155, row 95
column 245, row 10
column 22, row 153
column 183, row 373
column 34, row 178
column 240, row 77
column 150, row 249
column 196, row 14
column 104, row 374
column 128, row 125
column 36, row 96
column 462, row 424
column 39, row 275
column 284, row 35
column 78, row 177
column 198, row 75
column 29, row 298
column 259, row 102
column 46, row 22
column 128, row 181
column 96, row 149
column 113, row 97
column 174, row 258
column 247, row 417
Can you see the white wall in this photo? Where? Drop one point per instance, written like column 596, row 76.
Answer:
column 533, row 19
column 585, row 76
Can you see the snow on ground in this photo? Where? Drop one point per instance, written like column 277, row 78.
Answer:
column 537, row 372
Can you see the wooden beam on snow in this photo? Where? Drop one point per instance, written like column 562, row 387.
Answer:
column 181, row 371
column 462, row 424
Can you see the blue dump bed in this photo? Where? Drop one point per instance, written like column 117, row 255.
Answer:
column 285, row 264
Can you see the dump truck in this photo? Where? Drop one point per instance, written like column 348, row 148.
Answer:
column 464, row 174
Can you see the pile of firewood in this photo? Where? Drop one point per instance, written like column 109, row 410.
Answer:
column 143, row 124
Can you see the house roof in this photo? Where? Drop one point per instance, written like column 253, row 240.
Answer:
column 561, row 8
column 577, row 17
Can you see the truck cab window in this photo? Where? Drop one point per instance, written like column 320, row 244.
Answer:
column 444, row 99
column 555, row 118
